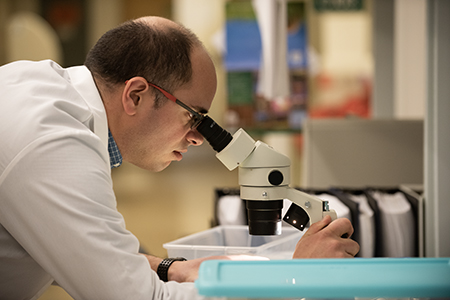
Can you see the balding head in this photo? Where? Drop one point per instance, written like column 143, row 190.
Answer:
column 158, row 22
column 151, row 47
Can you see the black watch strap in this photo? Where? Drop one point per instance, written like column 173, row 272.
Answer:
column 163, row 267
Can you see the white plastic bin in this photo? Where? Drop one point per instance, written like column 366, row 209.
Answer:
column 234, row 239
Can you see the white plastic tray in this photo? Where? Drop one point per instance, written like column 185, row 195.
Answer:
column 229, row 240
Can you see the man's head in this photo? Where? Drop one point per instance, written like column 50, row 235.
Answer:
column 149, row 129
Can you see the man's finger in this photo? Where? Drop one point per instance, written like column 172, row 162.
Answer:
column 341, row 227
column 352, row 247
column 319, row 225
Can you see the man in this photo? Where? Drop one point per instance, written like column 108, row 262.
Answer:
column 61, row 130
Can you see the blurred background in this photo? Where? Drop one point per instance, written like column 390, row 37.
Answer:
column 347, row 60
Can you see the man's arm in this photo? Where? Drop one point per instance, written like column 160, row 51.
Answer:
column 58, row 203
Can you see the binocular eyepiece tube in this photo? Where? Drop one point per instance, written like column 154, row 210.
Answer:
column 217, row 137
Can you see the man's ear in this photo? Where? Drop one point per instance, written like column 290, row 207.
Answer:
column 134, row 90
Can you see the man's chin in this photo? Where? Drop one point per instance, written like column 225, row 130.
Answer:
column 153, row 167
column 161, row 167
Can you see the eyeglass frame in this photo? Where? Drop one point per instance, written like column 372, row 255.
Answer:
column 196, row 116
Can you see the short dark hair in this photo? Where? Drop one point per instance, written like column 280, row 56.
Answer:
column 136, row 48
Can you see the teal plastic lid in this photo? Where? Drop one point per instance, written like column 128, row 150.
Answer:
column 326, row 278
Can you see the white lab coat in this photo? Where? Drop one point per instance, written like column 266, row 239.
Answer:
column 58, row 216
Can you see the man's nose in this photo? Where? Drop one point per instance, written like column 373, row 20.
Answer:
column 194, row 138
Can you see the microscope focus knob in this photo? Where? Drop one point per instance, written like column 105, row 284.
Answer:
column 276, row 177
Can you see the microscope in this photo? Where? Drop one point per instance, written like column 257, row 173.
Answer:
column 264, row 178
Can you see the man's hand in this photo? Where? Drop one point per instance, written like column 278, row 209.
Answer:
column 327, row 239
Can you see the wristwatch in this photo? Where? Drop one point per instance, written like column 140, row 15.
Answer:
column 163, row 267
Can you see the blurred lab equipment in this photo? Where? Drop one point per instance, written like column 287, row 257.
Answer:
column 381, row 229
column 29, row 36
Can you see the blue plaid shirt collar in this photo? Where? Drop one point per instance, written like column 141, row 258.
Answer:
column 115, row 157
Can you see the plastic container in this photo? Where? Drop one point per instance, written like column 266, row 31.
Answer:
column 234, row 239
column 369, row 278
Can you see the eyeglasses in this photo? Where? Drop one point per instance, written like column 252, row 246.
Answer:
column 195, row 116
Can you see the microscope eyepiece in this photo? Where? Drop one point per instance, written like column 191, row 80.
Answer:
column 217, row 137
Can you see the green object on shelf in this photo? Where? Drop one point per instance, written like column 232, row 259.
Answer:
column 240, row 88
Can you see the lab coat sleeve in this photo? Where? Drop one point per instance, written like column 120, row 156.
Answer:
column 58, row 203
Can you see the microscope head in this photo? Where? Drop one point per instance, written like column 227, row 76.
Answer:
column 255, row 178
column 264, row 177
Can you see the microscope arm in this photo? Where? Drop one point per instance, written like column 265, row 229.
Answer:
column 304, row 208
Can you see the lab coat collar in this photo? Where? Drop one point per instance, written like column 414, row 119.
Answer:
column 82, row 80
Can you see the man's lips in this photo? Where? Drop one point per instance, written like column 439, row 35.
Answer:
column 179, row 154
